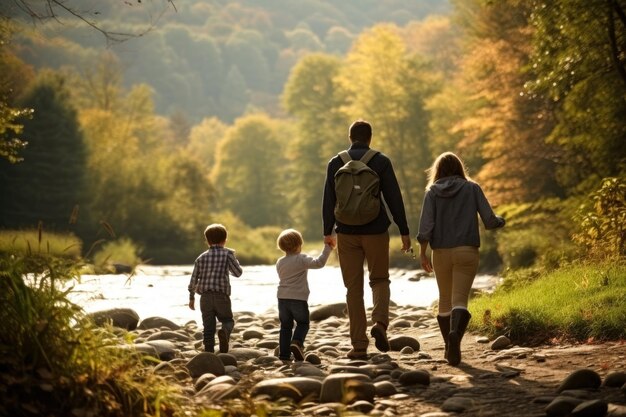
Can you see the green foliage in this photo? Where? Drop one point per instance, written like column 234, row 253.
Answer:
column 579, row 301
column 48, row 185
column 602, row 221
column 54, row 362
column 120, row 251
column 536, row 234
column 28, row 242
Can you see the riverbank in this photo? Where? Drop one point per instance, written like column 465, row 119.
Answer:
column 494, row 379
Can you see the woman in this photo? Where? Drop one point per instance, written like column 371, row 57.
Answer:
column 449, row 223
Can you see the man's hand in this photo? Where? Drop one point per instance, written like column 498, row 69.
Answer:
column 406, row 242
column 330, row 241
column 192, row 303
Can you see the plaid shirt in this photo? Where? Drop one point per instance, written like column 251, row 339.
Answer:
column 211, row 269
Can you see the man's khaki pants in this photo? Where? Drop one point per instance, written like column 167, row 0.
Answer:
column 353, row 251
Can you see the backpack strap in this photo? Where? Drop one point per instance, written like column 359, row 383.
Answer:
column 345, row 156
column 368, row 155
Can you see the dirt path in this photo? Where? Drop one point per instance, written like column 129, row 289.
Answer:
column 511, row 382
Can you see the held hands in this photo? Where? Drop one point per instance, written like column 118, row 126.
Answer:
column 192, row 303
column 330, row 241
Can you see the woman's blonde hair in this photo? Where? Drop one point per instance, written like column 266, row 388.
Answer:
column 289, row 240
column 447, row 164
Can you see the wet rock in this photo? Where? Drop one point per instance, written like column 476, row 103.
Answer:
column 329, row 310
column 244, row 354
column 385, row 389
column 457, row 404
column 170, row 335
column 166, row 349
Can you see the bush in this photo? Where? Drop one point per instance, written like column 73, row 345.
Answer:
column 602, row 221
column 121, row 251
column 54, row 362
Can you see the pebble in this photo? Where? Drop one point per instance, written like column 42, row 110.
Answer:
column 327, row 383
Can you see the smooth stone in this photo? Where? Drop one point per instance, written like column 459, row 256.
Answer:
column 361, row 406
column 202, row 381
column 146, row 349
column 407, row 350
column 244, row 354
column 329, row 310
column 615, row 379
column 581, row 378
column 223, row 379
column 169, row 335
column 457, row 404
column 435, row 414
column 267, row 344
column 253, row 333
column 385, row 389
column 615, row 410
column 417, row 376
column 399, row 323
column 124, row 318
column 562, row 406
column 222, row 391
column 205, row 362
column 227, row 359
column 335, row 369
column 593, row 408
column 166, row 349
column 297, row 388
column 501, row 342
column 398, row 342
column 313, row 358
column 157, row 323
column 482, row 339
column 336, row 387
column 305, row 369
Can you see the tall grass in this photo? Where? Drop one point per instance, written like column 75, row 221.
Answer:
column 31, row 241
column 579, row 302
column 54, row 362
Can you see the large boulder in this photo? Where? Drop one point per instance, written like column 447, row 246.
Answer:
column 125, row 318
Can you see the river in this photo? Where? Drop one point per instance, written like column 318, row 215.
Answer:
column 162, row 290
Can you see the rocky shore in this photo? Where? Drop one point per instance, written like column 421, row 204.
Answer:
column 495, row 377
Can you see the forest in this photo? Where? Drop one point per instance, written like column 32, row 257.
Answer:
column 229, row 111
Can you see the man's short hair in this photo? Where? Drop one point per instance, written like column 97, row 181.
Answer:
column 215, row 233
column 360, row 131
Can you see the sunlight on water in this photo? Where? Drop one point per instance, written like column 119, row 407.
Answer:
column 162, row 291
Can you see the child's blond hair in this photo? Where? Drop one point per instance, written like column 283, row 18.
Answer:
column 289, row 240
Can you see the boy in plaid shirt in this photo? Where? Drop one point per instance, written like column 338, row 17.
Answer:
column 210, row 279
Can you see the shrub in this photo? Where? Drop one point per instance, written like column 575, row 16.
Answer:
column 122, row 251
column 25, row 242
column 602, row 221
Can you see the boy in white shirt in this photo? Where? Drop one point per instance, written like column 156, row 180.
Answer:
column 293, row 292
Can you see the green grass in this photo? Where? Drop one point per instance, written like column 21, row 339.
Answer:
column 577, row 302
column 36, row 241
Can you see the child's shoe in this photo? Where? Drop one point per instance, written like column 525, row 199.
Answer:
column 223, row 338
column 296, row 349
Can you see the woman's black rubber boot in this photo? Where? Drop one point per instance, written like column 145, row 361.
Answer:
column 458, row 323
column 444, row 327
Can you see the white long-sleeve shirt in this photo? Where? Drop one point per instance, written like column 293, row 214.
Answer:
column 292, row 273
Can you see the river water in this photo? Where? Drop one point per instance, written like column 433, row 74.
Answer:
column 162, row 290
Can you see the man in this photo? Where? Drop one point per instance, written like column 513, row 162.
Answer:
column 368, row 242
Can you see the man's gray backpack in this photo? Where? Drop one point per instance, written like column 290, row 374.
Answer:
column 357, row 188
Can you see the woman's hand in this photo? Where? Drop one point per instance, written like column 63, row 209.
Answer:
column 426, row 265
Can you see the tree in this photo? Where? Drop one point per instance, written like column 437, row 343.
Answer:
column 315, row 99
column 505, row 128
column 580, row 60
column 389, row 87
column 48, row 185
column 249, row 173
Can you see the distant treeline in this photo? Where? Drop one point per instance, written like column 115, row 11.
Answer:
column 531, row 97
